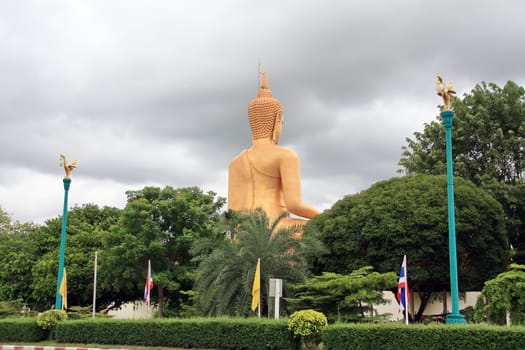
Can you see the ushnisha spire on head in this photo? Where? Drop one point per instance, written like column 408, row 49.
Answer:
column 264, row 90
column 263, row 111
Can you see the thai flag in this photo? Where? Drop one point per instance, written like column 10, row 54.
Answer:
column 149, row 284
column 402, row 287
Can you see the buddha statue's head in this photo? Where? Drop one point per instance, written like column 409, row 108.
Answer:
column 265, row 114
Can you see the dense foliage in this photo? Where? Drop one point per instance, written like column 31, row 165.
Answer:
column 343, row 297
column 29, row 257
column 15, row 308
column 488, row 138
column 225, row 276
column 408, row 215
column 21, row 330
column 49, row 319
column 416, row 337
column 205, row 333
column 17, row 256
column 234, row 333
column 158, row 225
column 503, row 296
column 86, row 227
column 308, row 325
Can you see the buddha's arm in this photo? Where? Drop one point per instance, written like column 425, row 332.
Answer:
column 291, row 182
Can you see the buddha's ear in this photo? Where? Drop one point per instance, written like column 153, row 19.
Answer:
column 277, row 127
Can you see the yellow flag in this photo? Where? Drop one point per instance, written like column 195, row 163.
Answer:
column 256, row 290
column 63, row 290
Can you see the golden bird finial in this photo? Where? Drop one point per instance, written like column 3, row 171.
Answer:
column 67, row 167
column 445, row 92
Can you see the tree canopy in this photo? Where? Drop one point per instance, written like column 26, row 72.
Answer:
column 158, row 224
column 488, row 138
column 505, row 294
column 225, row 277
column 343, row 297
column 17, row 255
column 408, row 215
column 86, row 227
column 29, row 257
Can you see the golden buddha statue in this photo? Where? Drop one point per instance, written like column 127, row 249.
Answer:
column 267, row 176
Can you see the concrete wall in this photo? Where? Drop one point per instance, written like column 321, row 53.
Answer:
column 135, row 310
column 440, row 304
column 435, row 306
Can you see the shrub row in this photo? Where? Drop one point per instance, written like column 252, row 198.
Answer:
column 21, row 329
column 430, row 337
column 224, row 333
column 230, row 333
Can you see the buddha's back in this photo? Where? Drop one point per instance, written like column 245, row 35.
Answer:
column 255, row 182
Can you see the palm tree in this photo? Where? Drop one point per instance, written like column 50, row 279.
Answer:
column 225, row 276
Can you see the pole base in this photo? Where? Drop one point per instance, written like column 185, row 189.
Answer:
column 455, row 319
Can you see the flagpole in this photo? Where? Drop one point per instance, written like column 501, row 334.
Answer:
column 95, row 284
column 67, row 183
column 406, row 288
column 149, row 290
column 259, row 293
column 58, row 298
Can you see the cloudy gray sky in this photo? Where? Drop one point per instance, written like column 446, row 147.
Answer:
column 156, row 92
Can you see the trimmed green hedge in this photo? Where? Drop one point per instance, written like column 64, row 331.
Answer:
column 237, row 333
column 224, row 333
column 430, row 337
column 21, row 329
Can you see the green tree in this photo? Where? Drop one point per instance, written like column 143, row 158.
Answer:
column 488, row 139
column 501, row 295
column 17, row 256
column 225, row 277
column 408, row 215
column 158, row 225
column 5, row 221
column 343, row 297
column 86, row 227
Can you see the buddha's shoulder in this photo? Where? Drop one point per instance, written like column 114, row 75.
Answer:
column 269, row 151
column 238, row 158
column 284, row 151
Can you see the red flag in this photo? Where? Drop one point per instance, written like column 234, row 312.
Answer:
column 149, row 284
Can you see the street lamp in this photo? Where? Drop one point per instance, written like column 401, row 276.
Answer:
column 67, row 183
column 447, row 114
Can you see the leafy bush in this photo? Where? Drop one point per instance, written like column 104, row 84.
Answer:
column 14, row 308
column 428, row 337
column 81, row 312
column 223, row 333
column 259, row 334
column 308, row 325
column 502, row 294
column 22, row 330
column 344, row 298
column 50, row 318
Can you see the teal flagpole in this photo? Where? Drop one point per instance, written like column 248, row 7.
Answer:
column 58, row 300
column 67, row 183
column 447, row 115
column 455, row 316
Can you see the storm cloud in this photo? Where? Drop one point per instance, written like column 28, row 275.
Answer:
column 156, row 92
